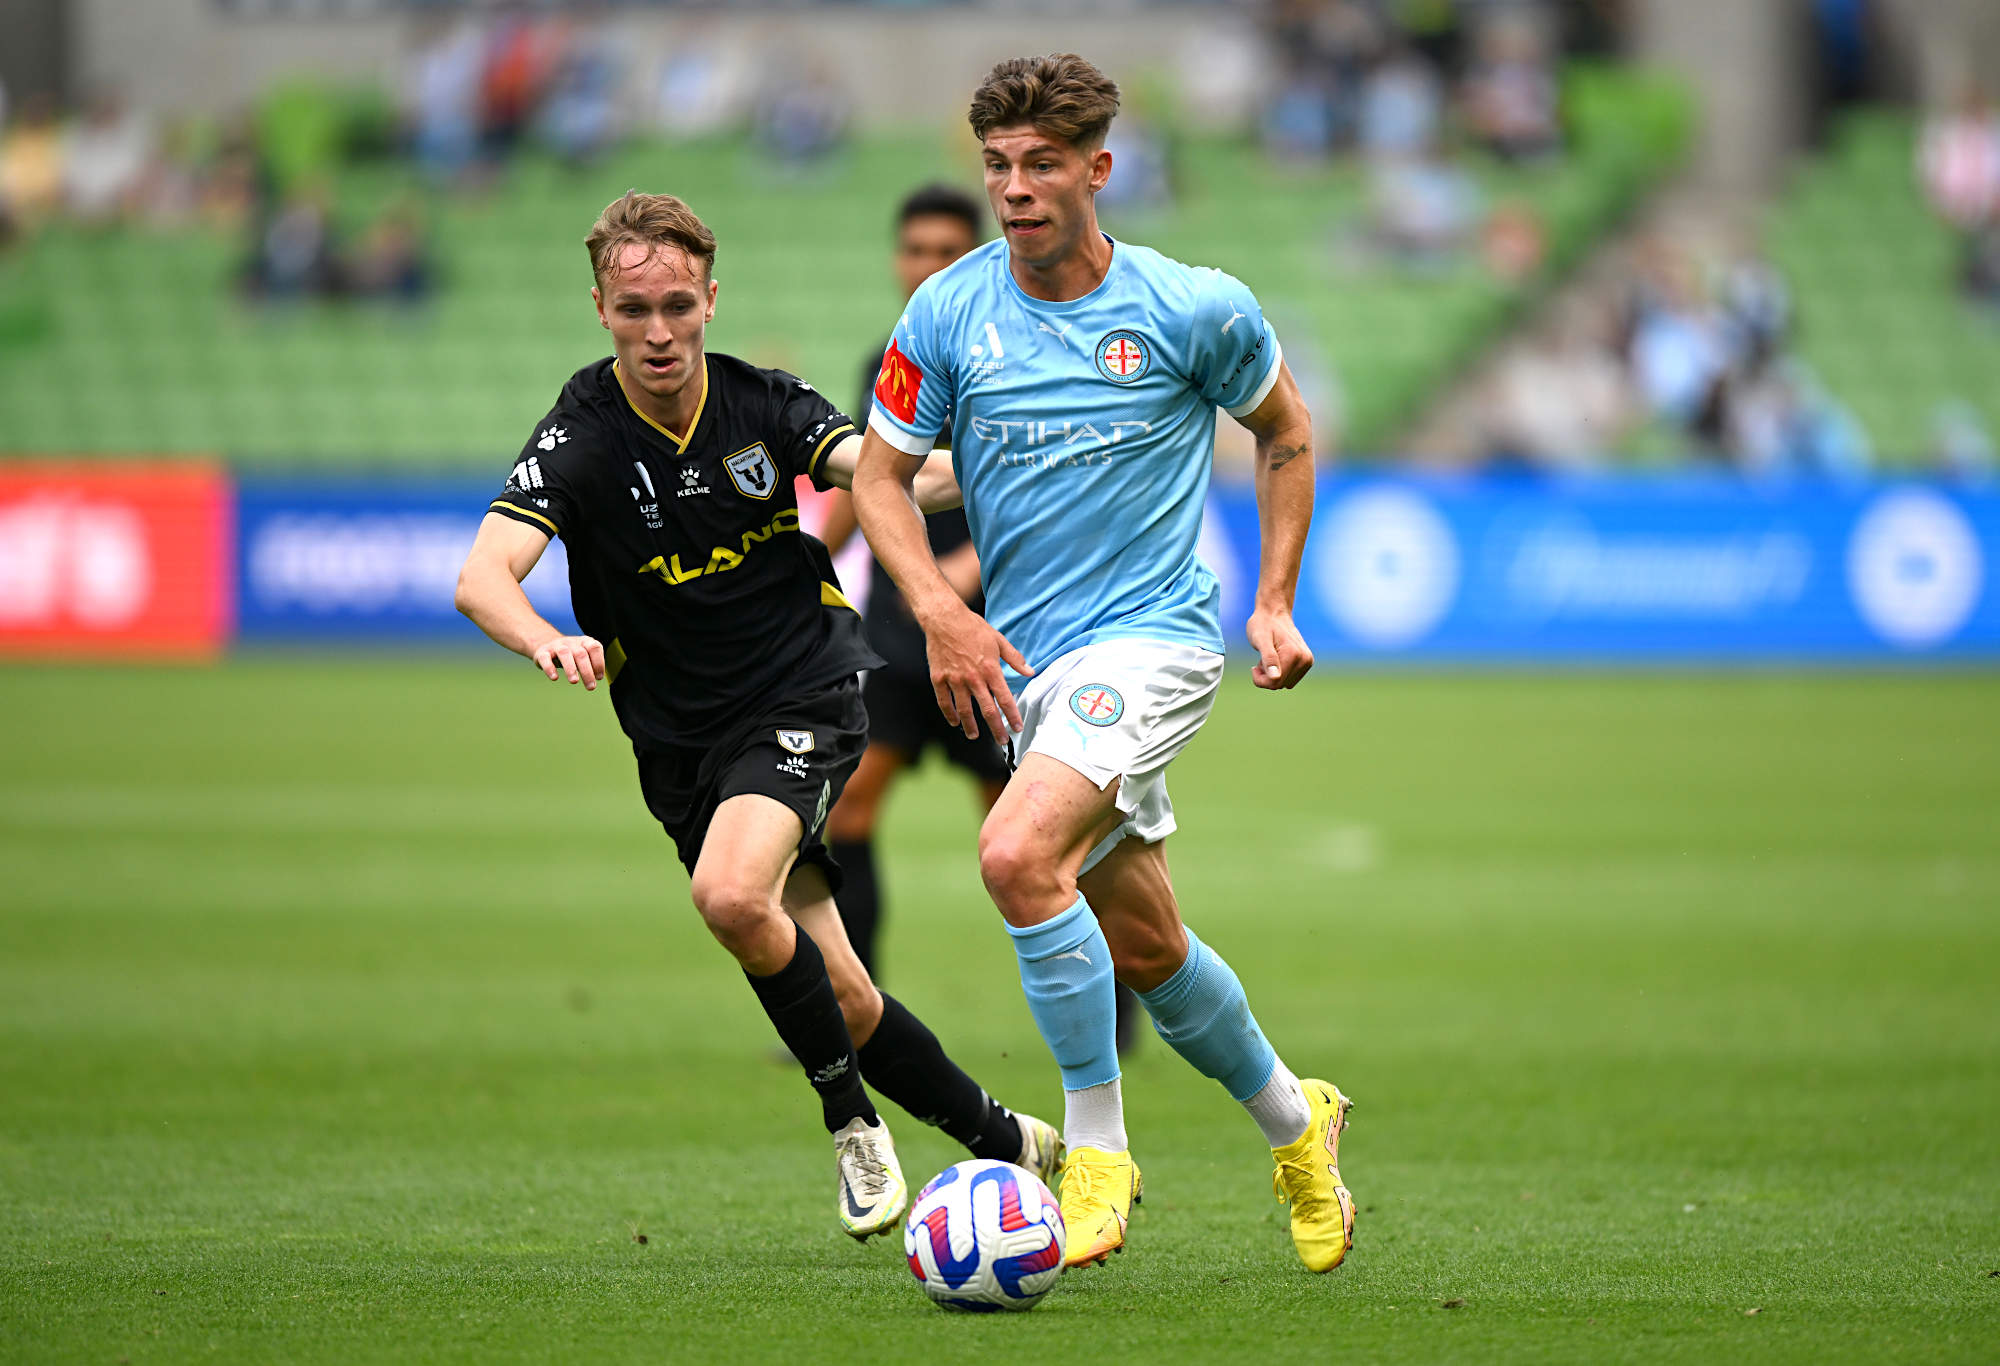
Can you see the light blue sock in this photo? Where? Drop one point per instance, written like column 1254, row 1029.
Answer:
column 1066, row 973
column 1202, row 1013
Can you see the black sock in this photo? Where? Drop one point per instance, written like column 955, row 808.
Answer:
column 904, row 1061
column 859, row 901
column 800, row 1001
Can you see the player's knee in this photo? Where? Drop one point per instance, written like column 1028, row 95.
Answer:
column 1017, row 871
column 738, row 914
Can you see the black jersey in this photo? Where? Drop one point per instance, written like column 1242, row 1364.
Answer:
column 892, row 627
column 685, row 558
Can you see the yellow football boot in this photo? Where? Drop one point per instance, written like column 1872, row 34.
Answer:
column 1308, row 1176
column 1098, row 1192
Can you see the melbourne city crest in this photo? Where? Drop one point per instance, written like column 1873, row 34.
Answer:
column 753, row 472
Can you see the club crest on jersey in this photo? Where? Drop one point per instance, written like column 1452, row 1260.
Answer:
column 753, row 472
column 796, row 741
column 1124, row 357
column 1097, row 704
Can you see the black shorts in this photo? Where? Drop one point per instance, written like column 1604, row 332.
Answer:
column 903, row 712
column 799, row 752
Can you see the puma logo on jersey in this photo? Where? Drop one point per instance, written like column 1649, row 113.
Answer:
column 1059, row 336
column 1233, row 316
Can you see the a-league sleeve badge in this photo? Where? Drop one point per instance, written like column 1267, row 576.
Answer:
column 796, row 741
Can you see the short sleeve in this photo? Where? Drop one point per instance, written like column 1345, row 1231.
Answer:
column 542, row 488
column 913, row 387
column 1234, row 353
column 807, row 427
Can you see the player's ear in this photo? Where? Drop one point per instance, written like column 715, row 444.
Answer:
column 714, row 288
column 1100, row 168
column 597, row 299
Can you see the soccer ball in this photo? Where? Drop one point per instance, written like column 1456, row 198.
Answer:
column 985, row 1235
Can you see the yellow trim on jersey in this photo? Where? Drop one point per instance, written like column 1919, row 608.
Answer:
column 614, row 660
column 680, row 442
column 829, row 596
column 820, row 449
column 502, row 505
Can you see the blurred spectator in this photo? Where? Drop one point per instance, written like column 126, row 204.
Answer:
column 1678, row 347
column 802, row 113
column 31, row 161
column 1509, row 93
column 295, row 255
column 1301, row 123
column 1958, row 159
column 444, row 99
column 579, row 119
column 390, row 264
column 1399, row 107
column 1424, row 209
column 1562, row 402
column 106, row 160
column 702, row 87
column 521, row 57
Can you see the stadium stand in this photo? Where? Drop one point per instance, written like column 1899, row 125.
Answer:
column 196, row 369
column 1872, row 272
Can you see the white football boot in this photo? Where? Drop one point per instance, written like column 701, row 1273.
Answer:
column 872, row 1194
column 1041, row 1148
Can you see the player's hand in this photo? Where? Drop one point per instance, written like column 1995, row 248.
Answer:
column 580, row 657
column 1282, row 654
column 965, row 654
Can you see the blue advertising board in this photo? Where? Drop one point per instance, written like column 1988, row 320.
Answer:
column 367, row 560
column 1659, row 570
column 1633, row 569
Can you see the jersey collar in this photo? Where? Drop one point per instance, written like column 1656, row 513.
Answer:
column 1066, row 305
column 680, row 442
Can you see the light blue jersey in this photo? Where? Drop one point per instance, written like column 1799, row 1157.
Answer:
column 1083, row 434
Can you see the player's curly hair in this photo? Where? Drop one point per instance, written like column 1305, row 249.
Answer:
column 1062, row 95
column 652, row 220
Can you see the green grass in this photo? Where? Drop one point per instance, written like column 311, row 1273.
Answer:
column 350, row 1010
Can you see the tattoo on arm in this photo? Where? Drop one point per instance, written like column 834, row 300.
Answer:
column 1282, row 456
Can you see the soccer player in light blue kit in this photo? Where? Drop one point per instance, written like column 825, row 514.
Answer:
column 1080, row 377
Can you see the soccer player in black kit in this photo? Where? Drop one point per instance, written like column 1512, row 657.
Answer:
column 731, row 658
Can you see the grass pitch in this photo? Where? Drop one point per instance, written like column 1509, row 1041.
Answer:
column 353, row 1010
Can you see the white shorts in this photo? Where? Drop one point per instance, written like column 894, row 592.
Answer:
column 1121, row 710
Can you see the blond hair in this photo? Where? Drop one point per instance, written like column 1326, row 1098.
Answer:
column 1062, row 95
column 652, row 221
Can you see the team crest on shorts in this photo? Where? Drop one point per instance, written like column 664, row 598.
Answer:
column 1097, row 704
column 752, row 471
column 796, row 741
column 1123, row 357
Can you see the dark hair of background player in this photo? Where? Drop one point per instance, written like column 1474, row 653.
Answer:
column 1061, row 95
column 946, row 201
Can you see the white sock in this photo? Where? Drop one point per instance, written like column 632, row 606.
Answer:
column 1280, row 1109
column 1095, row 1117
